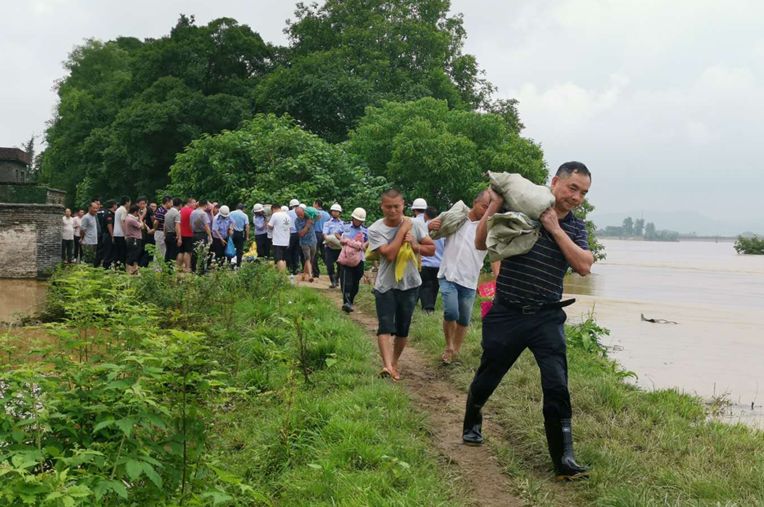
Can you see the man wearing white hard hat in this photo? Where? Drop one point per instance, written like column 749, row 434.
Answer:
column 280, row 223
column 418, row 207
column 355, row 236
column 222, row 230
column 262, row 238
column 333, row 229
column 240, row 221
column 293, row 259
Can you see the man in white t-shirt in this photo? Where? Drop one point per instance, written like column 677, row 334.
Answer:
column 458, row 276
column 280, row 225
column 120, row 246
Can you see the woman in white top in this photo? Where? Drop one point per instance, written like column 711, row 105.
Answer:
column 67, row 237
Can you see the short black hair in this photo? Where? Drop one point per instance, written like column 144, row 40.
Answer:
column 392, row 193
column 133, row 209
column 569, row 168
column 189, row 199
column 319, row 203
column 166, row 198
column 110, row 203
column 124, row 200
column 203, row 202
column 240, row 206
column 176, row 201
column 431, row 212
column 142, row 198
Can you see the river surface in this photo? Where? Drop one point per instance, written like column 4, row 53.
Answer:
column 716, row 298
column 20, row 298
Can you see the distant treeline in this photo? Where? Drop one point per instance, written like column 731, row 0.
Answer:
column 638, row 229
column 752, row 245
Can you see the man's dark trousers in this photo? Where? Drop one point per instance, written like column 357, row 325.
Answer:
column 428, row 291
column 294, row 253
column 319, row 253
column 506, row 333
column 238, row 242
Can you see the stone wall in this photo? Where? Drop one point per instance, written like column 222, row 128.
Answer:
column 30, row 239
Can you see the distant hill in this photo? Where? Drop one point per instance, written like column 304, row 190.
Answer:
column 684, row 222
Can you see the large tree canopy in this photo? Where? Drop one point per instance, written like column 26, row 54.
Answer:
column 270, row 159
column 128, row 107
column 348, row 54
column 431, row 151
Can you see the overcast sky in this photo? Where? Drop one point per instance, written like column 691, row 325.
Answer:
column 662, row 100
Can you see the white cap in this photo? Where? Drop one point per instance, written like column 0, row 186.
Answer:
column 293, row 203
column 225, row 210
column 419, row 204
column 359, row 214
column 302, row 205
column 336, row 207
column 257, row 208
column 284, row 208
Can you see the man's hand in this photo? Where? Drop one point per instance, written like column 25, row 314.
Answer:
column 406, row 225
column 497, row 201
column 408, row 238
column 549, row 220
column 434, row 224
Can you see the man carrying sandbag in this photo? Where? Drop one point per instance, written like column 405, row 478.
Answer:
column 398, row 240
column 458, row 274
column 527, row 313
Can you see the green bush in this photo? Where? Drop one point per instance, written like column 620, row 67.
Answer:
column 752, row 245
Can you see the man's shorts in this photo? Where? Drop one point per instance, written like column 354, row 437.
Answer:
column 134, row 251
column 280, row 253
column 187, row 244
column 394, row 311
column 308, row 251
column 457, row 302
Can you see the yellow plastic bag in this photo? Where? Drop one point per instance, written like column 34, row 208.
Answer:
column 405, row 255
column 371, row 255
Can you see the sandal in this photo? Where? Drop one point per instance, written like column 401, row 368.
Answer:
column 447, row 357
column 385, row 373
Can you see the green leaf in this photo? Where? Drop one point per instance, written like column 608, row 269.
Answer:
column 152, row 474
column 134, row 468
column 126, row 425
column 103, row 424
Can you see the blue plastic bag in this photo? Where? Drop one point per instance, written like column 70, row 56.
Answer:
column 230, row 249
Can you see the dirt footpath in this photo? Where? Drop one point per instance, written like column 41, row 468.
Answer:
column 443, row 404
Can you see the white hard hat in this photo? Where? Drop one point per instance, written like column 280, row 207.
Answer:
column 359, row 214
column 336, row 207
column 303, row 206
column 294, row 202
column 257, row 208
column 284, row 208
column 419, row 203
column 225, row 210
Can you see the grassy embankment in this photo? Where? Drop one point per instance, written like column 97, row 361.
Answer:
column 646, row 448
column 231, row 388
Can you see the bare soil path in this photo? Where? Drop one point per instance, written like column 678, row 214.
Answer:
column 443, row 404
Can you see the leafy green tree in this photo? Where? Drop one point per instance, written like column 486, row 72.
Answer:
column 127, row 107
column 271, row 159
column 749, row 245
column 628, row 226
column 347, row 54
column 442, row 154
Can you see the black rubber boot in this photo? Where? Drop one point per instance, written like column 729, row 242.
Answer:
column 333, row 280
column 559, row 437
column 472, row 433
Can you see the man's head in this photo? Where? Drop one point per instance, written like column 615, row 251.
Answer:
column 93, row 209
column 153, row 206
column 166, row 201
column 418, row 206
column 111, row 205
column 80, row 213
column 275, row 208
column 480, row 205
column 67, row 212
column 97, row 201
column 124, row 201
column 240, row 206
column 430, row 213
column 141, row 202
column 570, row 186
column 203, row 204
column 336, row 210
column 294, row 203
column 300, row 212
column 392, row 205
column 318, row 204
column 176, row 202
column 191, row 202
column 134, row 209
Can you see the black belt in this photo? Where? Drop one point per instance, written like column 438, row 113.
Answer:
column 530, row 309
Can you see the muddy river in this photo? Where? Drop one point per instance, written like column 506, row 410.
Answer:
column 716, row 298
column 20, row 297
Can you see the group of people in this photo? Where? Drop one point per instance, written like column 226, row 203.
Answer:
column 412, row 267
column 527, row 308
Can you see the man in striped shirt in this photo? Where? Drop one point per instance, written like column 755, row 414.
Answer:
column 527, row 313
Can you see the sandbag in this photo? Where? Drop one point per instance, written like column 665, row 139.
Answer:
column 509, row 234
column 451, row 220
column 332, row 242
column 521, row 195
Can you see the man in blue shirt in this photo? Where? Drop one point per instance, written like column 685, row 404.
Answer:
column 318, row 228
column 428, row 291
column 240, row 221
column 527, row 313
column 333, row 227
column 356, row 234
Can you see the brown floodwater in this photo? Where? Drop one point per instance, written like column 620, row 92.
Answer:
column 20, row 298
column 716, row 298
